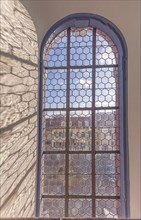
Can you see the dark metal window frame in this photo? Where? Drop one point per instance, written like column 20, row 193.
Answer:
column 85, row 20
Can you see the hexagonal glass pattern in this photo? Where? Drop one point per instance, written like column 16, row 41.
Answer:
column 80, row 185
column 107, row 130
column 106, row 51
column 80, row 182
column 81, row 46
column 53, row 184
column 81, row 160
column 108, row 208
column 107, row 185
column 54, row 130
column 53, row 208
column 80, row 208
column 107, row 118
column 55, row 88
column 80, row 164
column 53, row 164
column 106, row 87
column 55, row 54
column 107, row 163
column 80, row 88
column 80, row 130
column 107, row 138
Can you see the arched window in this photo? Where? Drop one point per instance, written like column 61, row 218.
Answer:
column 83, row 127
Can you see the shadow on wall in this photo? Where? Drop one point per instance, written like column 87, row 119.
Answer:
column 18, row 120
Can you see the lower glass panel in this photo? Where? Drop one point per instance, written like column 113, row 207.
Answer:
column 80, row 163
column 80, row 185
column 107, row 118
column 54, row 130
column 53, row 164
column 108, row 208
column 80, row 131
column 54, row 184
column 107, row 139
column 107, row 163
column 80, row 208
column 53, row 208
column 107, row 185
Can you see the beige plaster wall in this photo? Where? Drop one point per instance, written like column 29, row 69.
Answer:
column 126, row 15
column 18, row 110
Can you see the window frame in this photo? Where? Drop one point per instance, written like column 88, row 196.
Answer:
column 84, row 20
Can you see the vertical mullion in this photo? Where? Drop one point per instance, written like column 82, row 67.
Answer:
column 67, row 126
column 93, row 122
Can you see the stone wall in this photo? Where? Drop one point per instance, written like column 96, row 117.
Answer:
column 18, row 111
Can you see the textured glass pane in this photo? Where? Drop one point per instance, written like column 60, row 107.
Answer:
column 81, row 88
column 80, row 208
column 55, row 54
column 54, row 164
column 80, row 130
column 107, row 138
column 80, row 185
column 53, row 208
column 106, row 51
column 81, row 46
column 80, row 163
column 55, row 88
column 107, row 163
column 107, row 185
column 106, row 87
column 54, row 130
column 54, row 184
column 107, row 119
column 108, row 208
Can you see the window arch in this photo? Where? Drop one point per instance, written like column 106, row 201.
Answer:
column 82, row 120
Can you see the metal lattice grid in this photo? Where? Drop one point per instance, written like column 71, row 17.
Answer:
column 81, row 157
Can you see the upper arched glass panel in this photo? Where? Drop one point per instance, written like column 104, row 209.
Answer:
column 84, row 54
column 81, row 49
